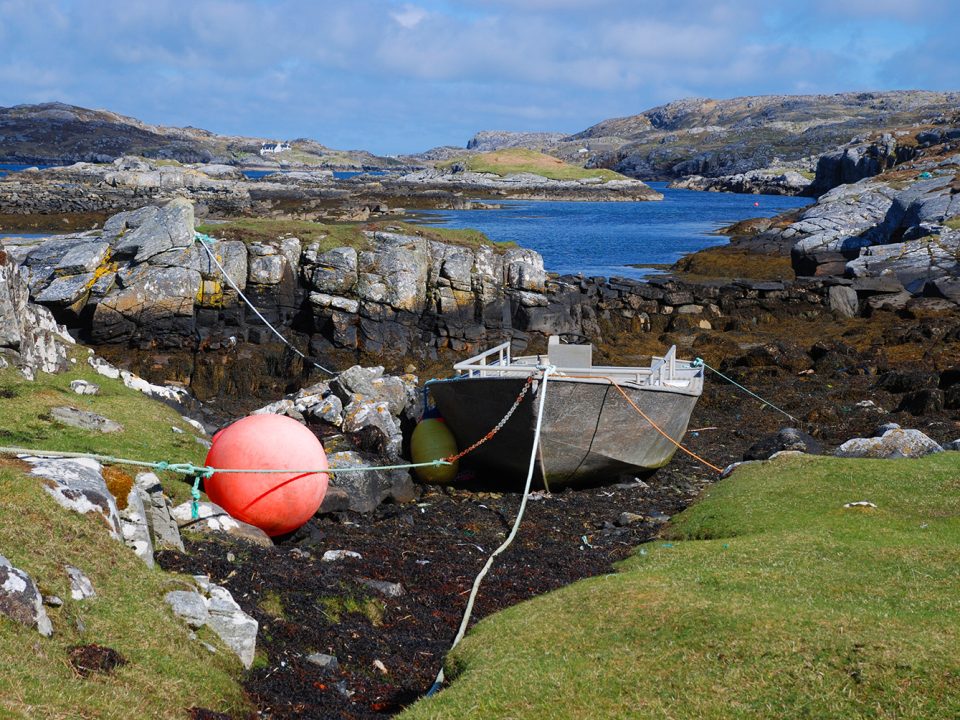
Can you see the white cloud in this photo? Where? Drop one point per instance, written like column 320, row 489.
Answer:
column 409, row 16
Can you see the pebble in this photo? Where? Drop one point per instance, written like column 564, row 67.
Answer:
column 860, row 503
column 334, row 555
column 52, row 601
column 324, row 661
column 628, row 518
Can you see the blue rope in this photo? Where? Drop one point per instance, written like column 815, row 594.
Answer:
column 698, row 362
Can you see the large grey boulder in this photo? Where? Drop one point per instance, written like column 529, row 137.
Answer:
column 895, row 442
column 366, row 490
column 20, row 600
column 373, row 386
column 77, row 484
column 149, row 231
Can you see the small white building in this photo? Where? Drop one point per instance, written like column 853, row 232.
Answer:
column 271, row 148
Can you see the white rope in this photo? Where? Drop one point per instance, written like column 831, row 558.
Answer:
column 547, row 371
column 201, row 238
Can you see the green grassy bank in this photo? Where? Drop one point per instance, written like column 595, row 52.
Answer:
column 165, row 673
column 769, row 599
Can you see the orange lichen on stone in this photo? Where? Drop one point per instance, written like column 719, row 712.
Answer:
column 119, row 484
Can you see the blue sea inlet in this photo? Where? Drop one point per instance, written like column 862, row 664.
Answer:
column 606, row 238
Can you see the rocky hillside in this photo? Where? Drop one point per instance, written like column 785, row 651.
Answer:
column 703, row 136
column 60, row 134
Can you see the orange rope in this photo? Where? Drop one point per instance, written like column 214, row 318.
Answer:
column 645, row 417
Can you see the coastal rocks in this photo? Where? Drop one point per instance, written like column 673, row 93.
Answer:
column 78, row 485
column 213, row 519
column 898, row 242
column 20, row 600
column 529, row 186
column 765, row 182
column 124, row 184
column 787, row 439
column 367, row 489
column 164, row 532
column 359, row 416
column 892, row 442
column 30, row 338
column 860, row 159
column 214, row 607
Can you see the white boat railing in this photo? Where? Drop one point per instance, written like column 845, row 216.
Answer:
column 665, row 371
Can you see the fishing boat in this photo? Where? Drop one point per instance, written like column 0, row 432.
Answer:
column 599, row 422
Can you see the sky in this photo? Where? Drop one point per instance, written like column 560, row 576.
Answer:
column 397, row 76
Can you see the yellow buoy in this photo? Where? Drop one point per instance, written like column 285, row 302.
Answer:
column 432, row 440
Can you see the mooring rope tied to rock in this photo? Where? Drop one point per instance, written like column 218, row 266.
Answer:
column 697, row 362
column 205, row 241
column 206, row 471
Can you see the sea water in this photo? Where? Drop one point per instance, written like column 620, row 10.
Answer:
column 608, row 238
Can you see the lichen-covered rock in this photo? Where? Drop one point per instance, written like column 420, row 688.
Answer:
column 893, row 443
column 29, row 336
column 228, row 620
column 214, row 607
column 80, row 586
column 135, row 525
column 20, row 600
column 149, row 231
column 77, row 484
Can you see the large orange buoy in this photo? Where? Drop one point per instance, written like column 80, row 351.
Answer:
column 432, row 440
column 279, row 502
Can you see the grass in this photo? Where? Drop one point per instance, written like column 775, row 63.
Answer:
column 768, row 599
column 148, row 425
column 519, row 160
column 953, row 223
column 334, row 235
column 165, row 672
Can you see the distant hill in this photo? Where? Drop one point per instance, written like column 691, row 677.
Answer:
column 56, row 133
column 709, row 137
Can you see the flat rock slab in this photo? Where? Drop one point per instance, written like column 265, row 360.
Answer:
column 77, row 484
column 66, row 415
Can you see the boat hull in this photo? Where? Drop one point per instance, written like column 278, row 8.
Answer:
column 590, row 432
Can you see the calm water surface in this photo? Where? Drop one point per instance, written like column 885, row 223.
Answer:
column 605, row 238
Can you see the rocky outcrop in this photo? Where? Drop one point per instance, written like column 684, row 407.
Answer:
column 360, row 415
column 30, row 338
column 527, row 186
column 876, row 229
column 858, row 160
column 705, row 136
column 490, row 140
column 754, row 182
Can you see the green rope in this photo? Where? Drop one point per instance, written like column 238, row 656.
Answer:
column 195, row 499
column 697, row 362
column 206, row 471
